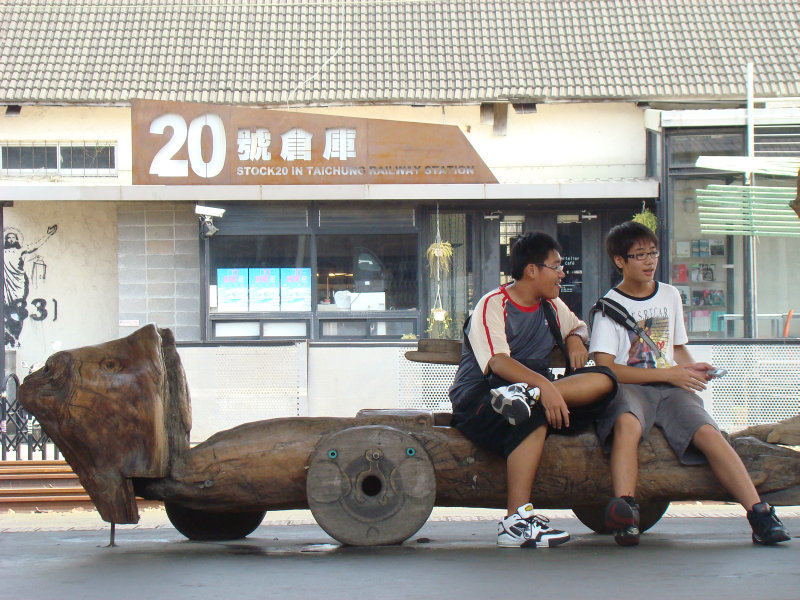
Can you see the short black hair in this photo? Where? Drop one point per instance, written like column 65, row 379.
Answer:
column 622, row 237
column 530, row 248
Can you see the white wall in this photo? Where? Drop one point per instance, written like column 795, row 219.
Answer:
column 559, row 141
column 342, row 381
column 69, row 123
column 78, row 269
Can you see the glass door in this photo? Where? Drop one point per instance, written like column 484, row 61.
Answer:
column 569, row 233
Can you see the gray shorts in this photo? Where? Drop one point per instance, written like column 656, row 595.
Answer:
column 677, row 412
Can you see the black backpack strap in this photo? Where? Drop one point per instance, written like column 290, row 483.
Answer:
column 552, row 323
column 617, row 313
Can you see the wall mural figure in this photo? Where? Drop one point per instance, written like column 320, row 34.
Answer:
column 17, row 280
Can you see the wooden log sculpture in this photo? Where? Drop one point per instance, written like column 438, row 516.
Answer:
column 120, row 413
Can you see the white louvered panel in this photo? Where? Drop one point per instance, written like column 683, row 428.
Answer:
column 423, row 385
column 258, row 383
column 762, row 385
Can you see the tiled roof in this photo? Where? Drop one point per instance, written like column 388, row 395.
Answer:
column 394, row 51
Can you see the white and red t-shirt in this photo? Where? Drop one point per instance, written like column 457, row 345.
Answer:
column 500, row 326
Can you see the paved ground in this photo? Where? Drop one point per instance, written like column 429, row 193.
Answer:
column 695, row 551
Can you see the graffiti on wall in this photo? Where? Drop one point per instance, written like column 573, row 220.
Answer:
column 21, row 266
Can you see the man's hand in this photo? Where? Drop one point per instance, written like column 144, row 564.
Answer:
column 691, row 377
column 577, row 351
column 555, row 408
column 701, row 367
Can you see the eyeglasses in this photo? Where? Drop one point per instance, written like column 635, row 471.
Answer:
column 557, row 268
column 643, row 255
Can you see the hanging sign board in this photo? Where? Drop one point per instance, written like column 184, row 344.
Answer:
column 179, row 143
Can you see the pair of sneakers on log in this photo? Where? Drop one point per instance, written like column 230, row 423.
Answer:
column 525, row 529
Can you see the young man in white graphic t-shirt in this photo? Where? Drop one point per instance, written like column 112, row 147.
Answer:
column 657, row 388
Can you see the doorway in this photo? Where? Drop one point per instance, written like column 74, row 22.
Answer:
column 581, row 234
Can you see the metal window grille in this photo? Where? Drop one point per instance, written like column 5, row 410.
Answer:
column 777, row 140
column 423, row 385
column 762, row 385
column 71, row 159
column 259, row 383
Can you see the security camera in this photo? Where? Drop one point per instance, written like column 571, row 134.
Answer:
column 207, row 227
column 209, row 211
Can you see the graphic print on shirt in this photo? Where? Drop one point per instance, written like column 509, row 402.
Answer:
column 640, row 355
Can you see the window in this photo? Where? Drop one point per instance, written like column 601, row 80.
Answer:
column 706, row 270
column 732, row 285
column 278, row 271
column 683, row 149
column 81, row 159
column 367, row 272
column 251, row 274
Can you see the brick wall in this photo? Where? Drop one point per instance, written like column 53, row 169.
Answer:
column 158, row 256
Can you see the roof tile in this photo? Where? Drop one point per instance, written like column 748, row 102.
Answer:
column 316, row 51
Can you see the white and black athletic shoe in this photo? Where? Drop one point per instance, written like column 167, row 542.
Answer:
column 514, row 401
column 523, row 529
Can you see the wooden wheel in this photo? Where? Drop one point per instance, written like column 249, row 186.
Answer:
column 207, row 526
column 371, row 485
column 649, row 514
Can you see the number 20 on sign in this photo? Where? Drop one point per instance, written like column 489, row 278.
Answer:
column 164, row 162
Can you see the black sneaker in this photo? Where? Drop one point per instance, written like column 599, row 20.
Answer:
column 767, row 527
column 514, row 401
column 622, row 519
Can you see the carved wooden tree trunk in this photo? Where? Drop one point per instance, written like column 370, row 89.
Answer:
column 117, row 411
column 120, row 413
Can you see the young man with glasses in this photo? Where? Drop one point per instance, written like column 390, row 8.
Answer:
column 658, row 388
column 504, row 396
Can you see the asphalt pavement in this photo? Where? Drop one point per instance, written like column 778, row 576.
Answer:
column 694, row 551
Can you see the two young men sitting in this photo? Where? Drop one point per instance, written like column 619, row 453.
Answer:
column 506, row 400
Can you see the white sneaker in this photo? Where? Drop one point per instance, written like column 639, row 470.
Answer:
column 524, row 529
column 514, row 401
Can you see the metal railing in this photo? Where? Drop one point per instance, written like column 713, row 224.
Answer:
column 21, row 436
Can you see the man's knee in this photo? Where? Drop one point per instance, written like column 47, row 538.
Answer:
column 627, row 426
column 706, row 434
column 602, row 385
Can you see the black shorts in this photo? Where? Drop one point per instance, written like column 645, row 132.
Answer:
column 478, row 421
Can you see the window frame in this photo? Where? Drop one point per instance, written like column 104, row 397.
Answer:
column 314, row 318
column 6, row 146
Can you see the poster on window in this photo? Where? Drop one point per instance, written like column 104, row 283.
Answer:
column 265, row 289
column 295, row 289
column 232, row 290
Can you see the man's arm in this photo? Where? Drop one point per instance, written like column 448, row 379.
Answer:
column 576, row 346
column 687, row 376
column 575, row 334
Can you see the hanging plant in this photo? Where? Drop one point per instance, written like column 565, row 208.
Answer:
column 440, row 324
column 439, row 255
column 647, row 218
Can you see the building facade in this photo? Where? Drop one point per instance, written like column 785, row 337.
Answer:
column 303, row 296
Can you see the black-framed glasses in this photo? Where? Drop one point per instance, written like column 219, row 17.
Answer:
column 557, row 268
column 643, row 255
